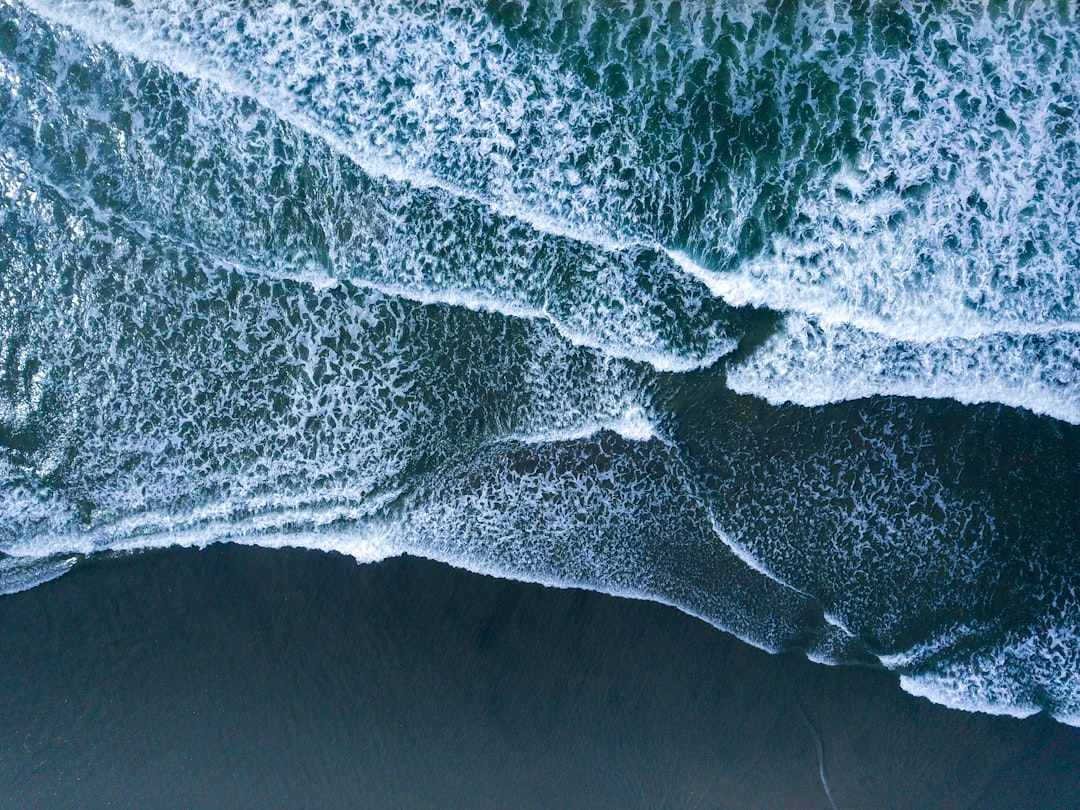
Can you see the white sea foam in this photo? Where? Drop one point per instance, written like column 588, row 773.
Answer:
column 958, row 692
column 953, row 222
column 633, row 424
column 209, row 404
column 855, row 533
column 945, row 258
column 461, row 103
column 975, row 666
column 811, row 363
column 22, row 575
column 602, row 513
column 298, row 209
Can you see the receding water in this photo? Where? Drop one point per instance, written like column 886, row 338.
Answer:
column 767, row 311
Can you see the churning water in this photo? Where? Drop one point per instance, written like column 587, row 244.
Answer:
column 770, row 311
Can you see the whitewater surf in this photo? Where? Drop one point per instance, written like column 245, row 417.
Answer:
column 770, row 316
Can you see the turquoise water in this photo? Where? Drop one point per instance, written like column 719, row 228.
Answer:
column 767, row 311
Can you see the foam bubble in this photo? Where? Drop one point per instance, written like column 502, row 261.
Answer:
column 958, row 692
column 1018, row 673
column 925, row 198
column 228, row 176
column 22, row 575
column 605, row 514
column 203, row 403
column 811, row 363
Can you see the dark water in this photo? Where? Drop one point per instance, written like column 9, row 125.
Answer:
column 253, row 678
column 765, row 311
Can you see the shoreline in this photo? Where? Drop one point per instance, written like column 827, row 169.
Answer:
column 247, row 677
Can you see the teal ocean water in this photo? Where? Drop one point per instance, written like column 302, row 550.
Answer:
column 768, row 311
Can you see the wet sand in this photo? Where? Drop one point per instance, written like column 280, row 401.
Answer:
column 236, row 677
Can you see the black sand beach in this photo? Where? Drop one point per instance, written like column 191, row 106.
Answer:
column 236, row 677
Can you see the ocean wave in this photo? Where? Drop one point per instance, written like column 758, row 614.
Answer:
column 234, row 179
column 473, row 285
column 811, row 363
column 927, row 200
column 1016, row 675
